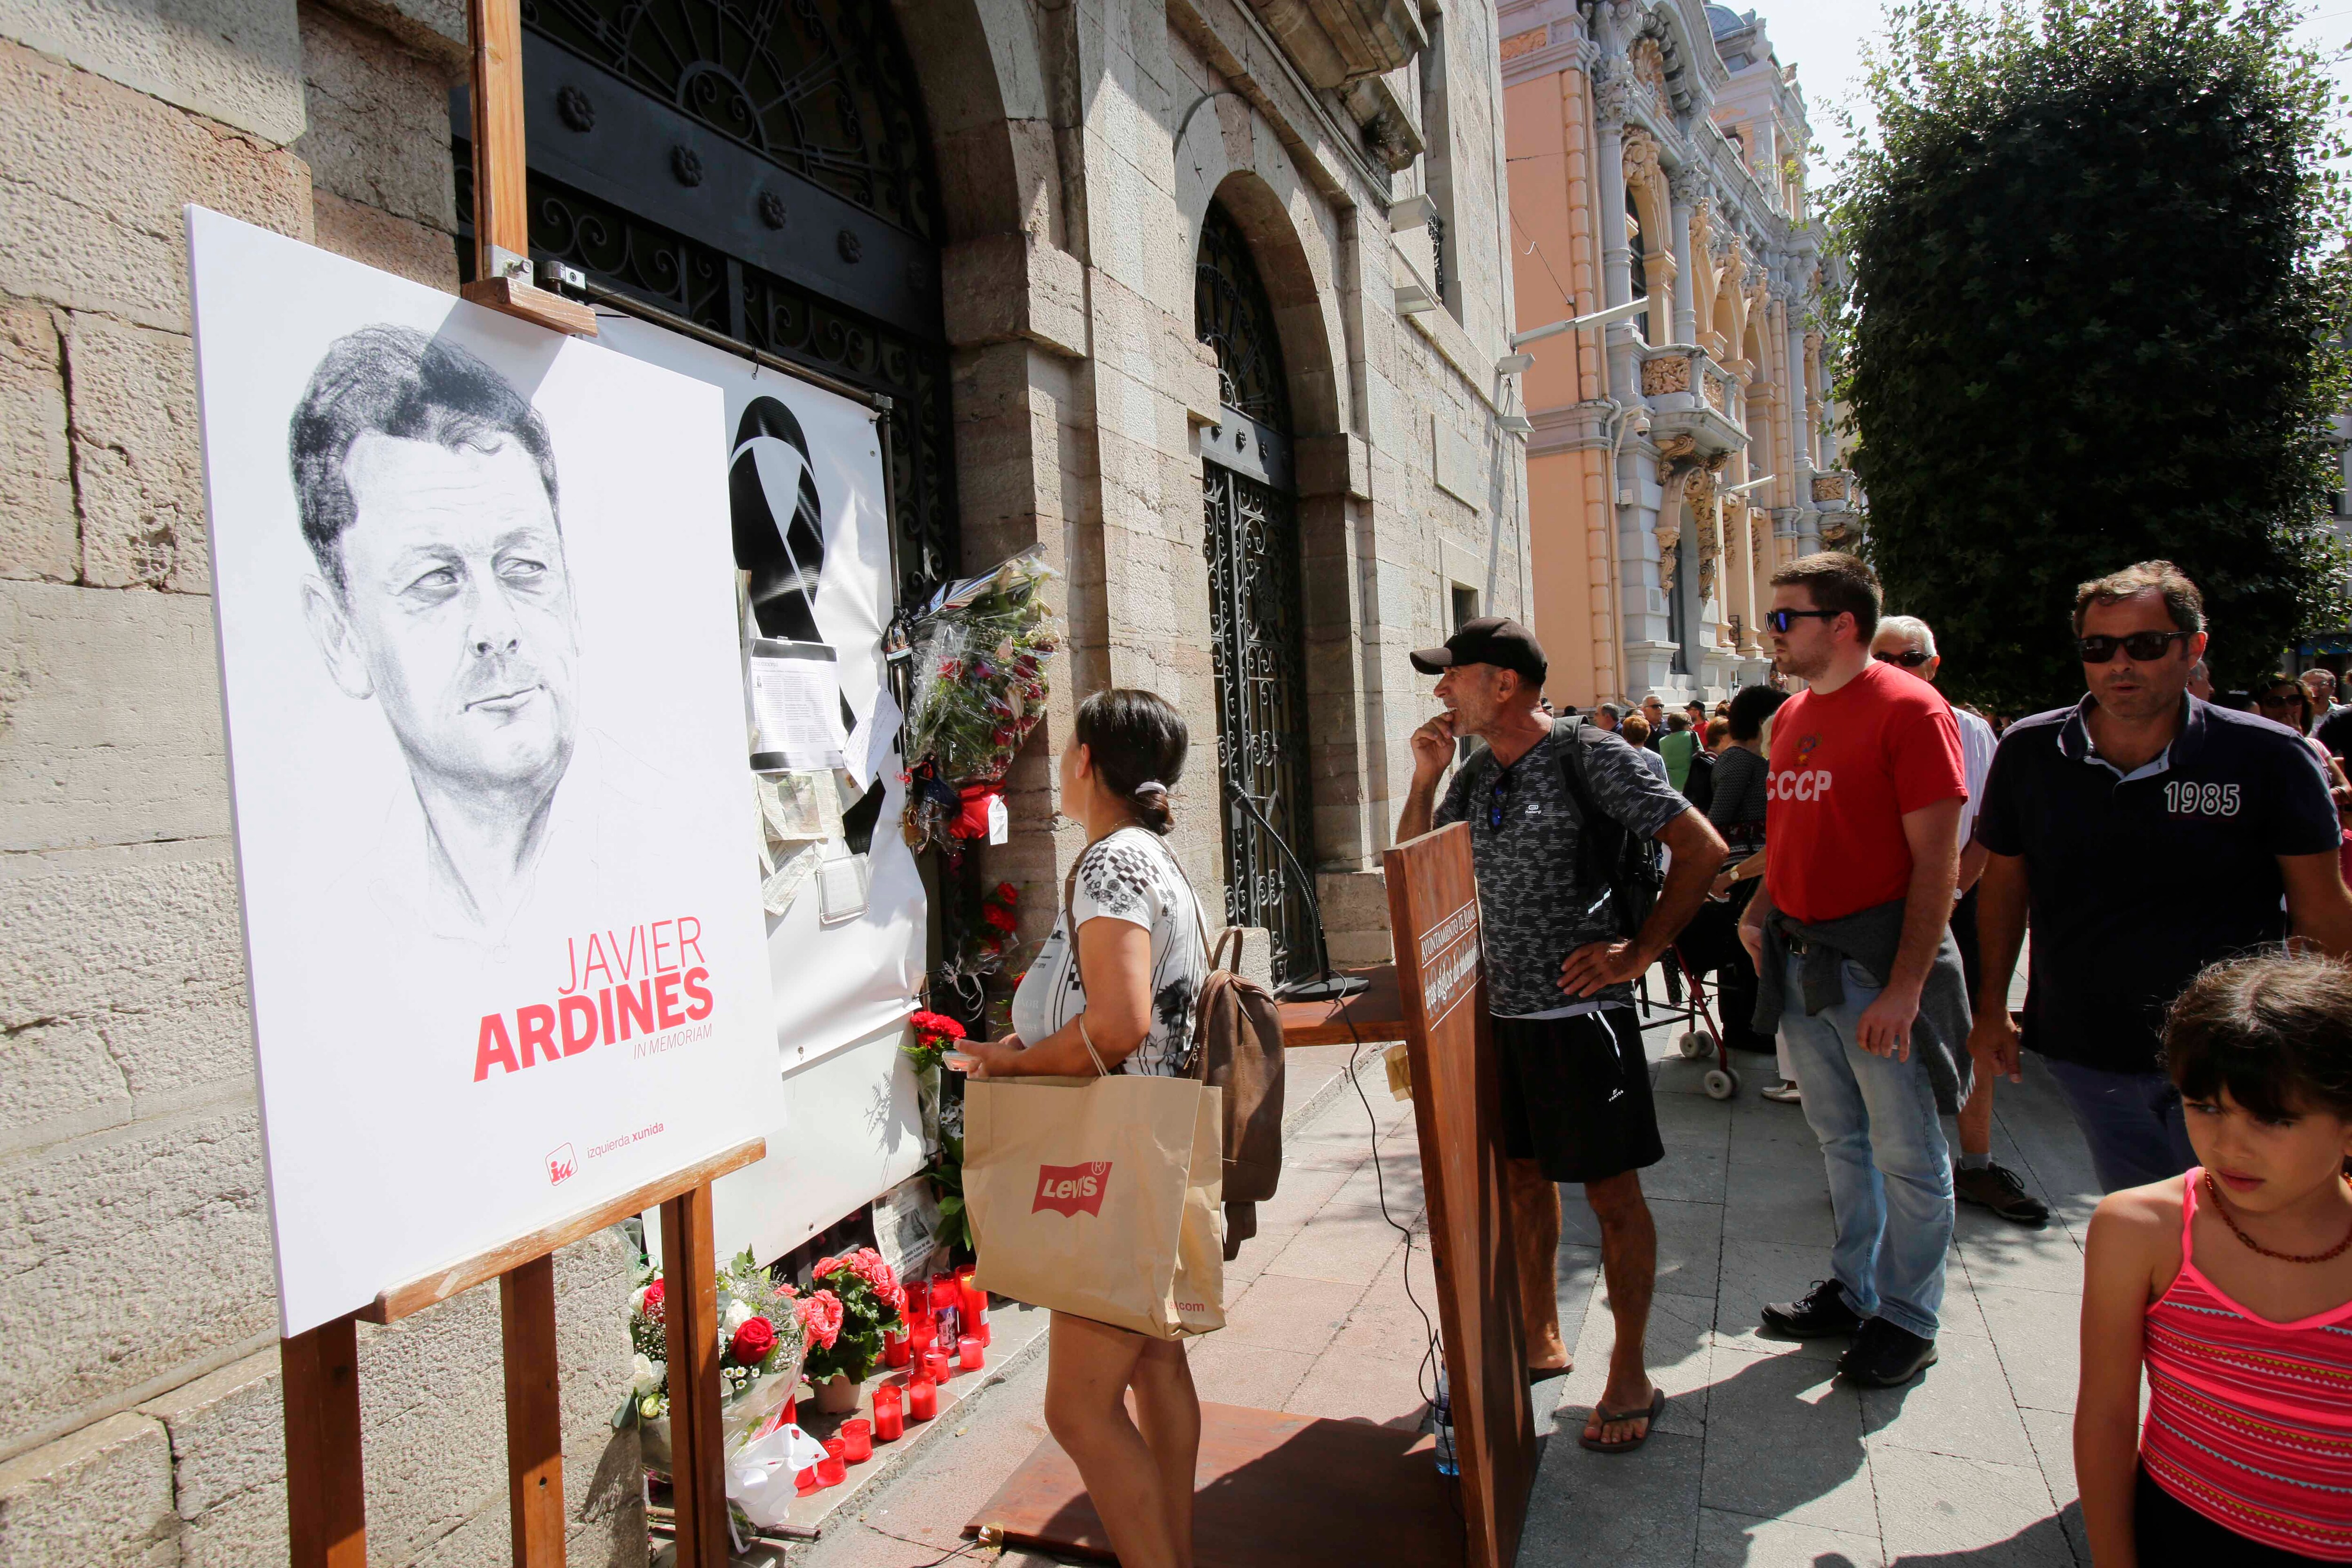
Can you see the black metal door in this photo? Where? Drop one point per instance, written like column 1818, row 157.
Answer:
column 1255, row 618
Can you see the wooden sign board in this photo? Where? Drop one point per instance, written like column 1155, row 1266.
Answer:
column 1456, row 1094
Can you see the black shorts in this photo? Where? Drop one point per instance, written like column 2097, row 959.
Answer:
column 1576, row 1095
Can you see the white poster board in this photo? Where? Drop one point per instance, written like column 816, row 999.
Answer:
column 480, row 666
column 807, row 463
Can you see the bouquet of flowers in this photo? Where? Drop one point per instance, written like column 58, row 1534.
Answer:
column 933, row 1033
column 862, row 1301
column 763, row 1337
column 980, row 648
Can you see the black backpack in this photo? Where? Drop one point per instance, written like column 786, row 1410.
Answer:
column 1607, row 851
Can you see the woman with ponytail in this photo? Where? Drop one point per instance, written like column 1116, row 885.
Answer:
column 1118, row 999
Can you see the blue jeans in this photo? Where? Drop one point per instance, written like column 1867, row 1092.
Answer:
column 2131, row 1121
column 1890, row 1174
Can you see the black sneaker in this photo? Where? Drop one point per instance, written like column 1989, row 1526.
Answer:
column 1996, row 1187
column 1884, row 1356
column 1819, row 1314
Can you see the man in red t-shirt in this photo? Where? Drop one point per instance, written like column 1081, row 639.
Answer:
column 1856, row 962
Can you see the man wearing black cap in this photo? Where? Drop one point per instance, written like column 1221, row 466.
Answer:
column 1560, row 959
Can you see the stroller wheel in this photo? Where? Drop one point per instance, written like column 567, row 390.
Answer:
column 1694, row 1045
column 1721, row 1085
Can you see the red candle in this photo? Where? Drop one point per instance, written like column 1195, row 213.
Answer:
column 922, row 1399
column 897, row 1350
column 921, row 1331
column 807, row 1482
column 968, row 1354
column 974, row 1304
column 857, row 1441
column 977, row 1328
column 889, row 1414
column 935, row 1367
column 832, row 1469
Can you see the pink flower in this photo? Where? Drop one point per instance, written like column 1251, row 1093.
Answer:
column 821, row 1316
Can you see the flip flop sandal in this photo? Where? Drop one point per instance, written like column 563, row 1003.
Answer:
column 1658, row 1408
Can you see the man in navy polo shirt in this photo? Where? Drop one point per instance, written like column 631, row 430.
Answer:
column 2148, row 835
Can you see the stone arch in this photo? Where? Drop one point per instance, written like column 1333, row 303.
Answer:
column 993, row 139
column 1295, row 267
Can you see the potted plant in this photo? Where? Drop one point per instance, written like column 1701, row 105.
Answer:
column 864, row 1300
column 763, row 1336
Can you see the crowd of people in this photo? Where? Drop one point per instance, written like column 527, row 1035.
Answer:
column 1855, row 867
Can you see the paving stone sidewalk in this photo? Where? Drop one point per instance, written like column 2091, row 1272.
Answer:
column 1762, row 1458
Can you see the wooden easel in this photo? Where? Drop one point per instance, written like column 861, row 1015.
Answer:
column 502, row 277
column 325, row 1506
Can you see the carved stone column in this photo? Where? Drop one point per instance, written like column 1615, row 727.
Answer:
column 1684, row 186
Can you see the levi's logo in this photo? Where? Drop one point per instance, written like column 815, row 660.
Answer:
column 1072, row 1189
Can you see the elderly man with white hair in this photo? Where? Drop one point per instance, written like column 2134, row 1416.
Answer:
column 1909, row 643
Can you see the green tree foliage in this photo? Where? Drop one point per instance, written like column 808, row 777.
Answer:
column 2097, row 290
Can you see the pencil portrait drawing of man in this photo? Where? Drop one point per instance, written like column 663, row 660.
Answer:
column 428, row 494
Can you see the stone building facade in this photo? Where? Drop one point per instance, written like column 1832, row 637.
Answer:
column 1658, row 151
column 1018, row 218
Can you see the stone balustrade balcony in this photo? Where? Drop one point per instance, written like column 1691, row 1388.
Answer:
column 1689, row 394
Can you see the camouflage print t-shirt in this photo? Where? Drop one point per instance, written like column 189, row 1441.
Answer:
column 1533, row 905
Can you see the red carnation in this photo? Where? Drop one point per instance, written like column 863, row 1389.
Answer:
column 934, row 1026
column 1008, row 893
column 753, row 1341
column 999, row 916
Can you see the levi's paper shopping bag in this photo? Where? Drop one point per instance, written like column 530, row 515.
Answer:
column 1100, row 1197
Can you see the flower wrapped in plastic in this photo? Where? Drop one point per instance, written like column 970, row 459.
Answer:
column 762, row 1341
column 981, row 648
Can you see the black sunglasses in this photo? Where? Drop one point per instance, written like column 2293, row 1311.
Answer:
column 1781, row 620
column 2141, row 646
column 1909, row 658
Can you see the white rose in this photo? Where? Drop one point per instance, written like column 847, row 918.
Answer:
column 645, row 1378
column 637, row 1299
column 738, row 1314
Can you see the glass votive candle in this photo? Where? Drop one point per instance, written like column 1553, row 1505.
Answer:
column 969, row 1354
column 922, row 1400
column 948, row 1322
column 921, row 1330
column 935, row 1367
column 857, row 1441
column 806, row 1482
column 833, row 1470
column 897, row 1350
column 889, row 1414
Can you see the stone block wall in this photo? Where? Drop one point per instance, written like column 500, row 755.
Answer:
column 139, row 1417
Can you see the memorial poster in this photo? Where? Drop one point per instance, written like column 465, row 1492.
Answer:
column 481, row 671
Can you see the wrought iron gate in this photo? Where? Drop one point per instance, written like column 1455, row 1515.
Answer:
column 760, row 168
column 1254, row 612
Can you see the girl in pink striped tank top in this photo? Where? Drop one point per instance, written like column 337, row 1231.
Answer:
column 2233, row 1286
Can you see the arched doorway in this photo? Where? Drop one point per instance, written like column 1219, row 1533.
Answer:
column 1255, row 620
column 761, row 169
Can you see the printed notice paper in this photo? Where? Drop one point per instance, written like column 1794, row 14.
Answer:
column 796, row 701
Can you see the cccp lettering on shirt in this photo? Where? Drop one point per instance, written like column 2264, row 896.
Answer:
column 1846, row 768
column 618, row 985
